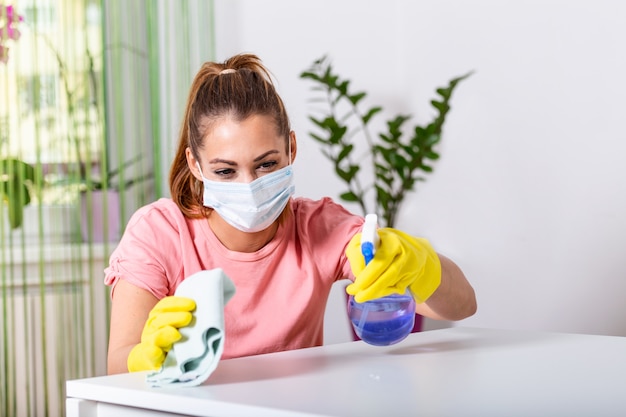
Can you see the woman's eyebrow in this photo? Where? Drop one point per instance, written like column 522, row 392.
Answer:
column 233, row 163
column 258, row 158
column 222, row 161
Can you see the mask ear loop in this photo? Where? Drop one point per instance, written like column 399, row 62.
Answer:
column 200, row 169
column 289, row 149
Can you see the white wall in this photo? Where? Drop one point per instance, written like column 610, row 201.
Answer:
column 529, row 196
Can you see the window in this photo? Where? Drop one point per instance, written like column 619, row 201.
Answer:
column 53, row 110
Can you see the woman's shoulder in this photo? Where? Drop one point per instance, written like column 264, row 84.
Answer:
column 322, row 214
column 159, row 229
column 160, row 206
column 163, row 209
column 323, row 228
column 308, row 206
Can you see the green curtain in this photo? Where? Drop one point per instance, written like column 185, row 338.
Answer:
column 181, row 39
column 91, row 96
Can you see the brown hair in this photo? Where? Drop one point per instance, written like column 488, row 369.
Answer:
column 239, row 87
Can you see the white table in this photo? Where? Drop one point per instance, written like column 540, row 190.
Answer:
column 449, row 372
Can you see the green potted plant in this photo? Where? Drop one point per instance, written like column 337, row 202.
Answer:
column 97, row 192
column 17, row 182
column 113, row 179
column 397, row 161
column 100, row 201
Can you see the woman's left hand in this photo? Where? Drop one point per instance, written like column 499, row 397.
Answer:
column 400, row 261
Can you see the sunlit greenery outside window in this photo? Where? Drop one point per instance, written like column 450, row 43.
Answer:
column 51, row 108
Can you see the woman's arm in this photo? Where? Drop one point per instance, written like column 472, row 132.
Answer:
column 454, row 299
column 129, row 311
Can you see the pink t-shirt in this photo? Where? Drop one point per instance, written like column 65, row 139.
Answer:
column 281, row 290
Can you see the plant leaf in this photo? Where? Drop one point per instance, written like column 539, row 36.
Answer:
column 344, row 152
column 371, row 113
column 349, row 196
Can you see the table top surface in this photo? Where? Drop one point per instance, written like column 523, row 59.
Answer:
column 449, row 372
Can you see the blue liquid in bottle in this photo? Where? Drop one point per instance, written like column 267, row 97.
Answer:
column 383, row 321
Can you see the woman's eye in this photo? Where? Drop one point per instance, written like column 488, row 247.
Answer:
column 266, row 166
column 224, row 172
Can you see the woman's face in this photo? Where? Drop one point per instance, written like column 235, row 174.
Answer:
column 241, row 151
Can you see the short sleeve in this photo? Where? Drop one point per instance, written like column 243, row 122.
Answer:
column 151, row 253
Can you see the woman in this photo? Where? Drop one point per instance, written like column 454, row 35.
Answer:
column 231, row 184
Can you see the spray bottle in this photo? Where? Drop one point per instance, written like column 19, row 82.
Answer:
column 386, row 320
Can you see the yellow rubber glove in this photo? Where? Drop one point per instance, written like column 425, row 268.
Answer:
column 160, row 332
column 400, row 261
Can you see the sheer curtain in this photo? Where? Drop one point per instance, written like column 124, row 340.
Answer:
column 91, row 95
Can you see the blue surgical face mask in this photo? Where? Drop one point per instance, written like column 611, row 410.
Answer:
column 250, row 207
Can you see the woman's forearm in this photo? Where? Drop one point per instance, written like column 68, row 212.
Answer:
column 117, row 360
column 454, row 299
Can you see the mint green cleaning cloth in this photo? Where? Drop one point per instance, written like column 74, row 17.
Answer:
column 193, row 358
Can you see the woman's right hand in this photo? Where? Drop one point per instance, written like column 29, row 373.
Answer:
column 160, row 332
